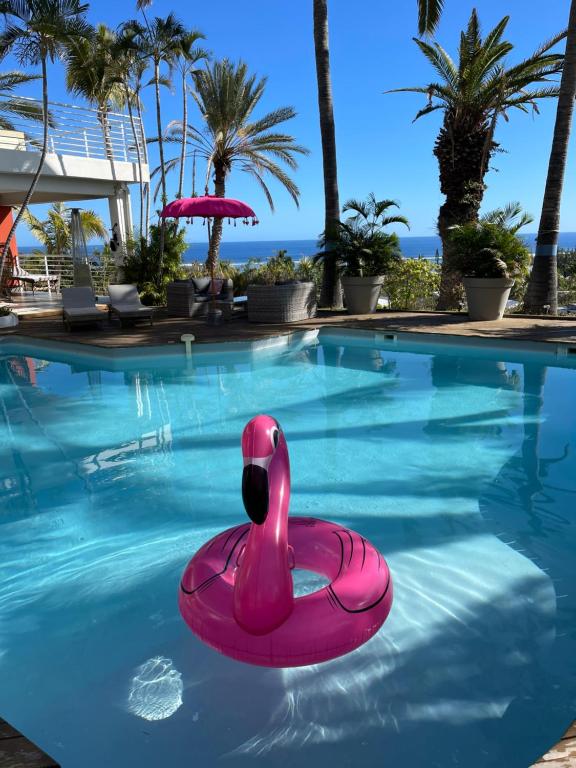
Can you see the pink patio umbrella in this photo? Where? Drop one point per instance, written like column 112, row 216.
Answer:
column 208, row 208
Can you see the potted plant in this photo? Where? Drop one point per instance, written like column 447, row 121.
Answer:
column 490, row 256
column 8, row 319
column 364, row 252
column 280, row 291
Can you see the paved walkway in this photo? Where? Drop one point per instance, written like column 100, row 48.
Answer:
column 168, row 330
column 17, row 752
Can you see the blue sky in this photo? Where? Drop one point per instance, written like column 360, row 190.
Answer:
column 379, row 148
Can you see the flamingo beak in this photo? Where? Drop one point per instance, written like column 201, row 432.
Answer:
column 259, row 443
column 255, row 489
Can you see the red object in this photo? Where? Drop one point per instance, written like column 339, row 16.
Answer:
column 6, row 221
column 208, row 206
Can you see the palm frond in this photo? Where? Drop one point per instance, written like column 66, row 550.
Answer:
column 429, row 12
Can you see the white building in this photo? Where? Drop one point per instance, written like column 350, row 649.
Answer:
column 88, row 158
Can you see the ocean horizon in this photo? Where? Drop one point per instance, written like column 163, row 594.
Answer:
column 239, row 252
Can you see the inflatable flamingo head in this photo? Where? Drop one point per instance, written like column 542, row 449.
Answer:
column 263, row 591
column 262, row 441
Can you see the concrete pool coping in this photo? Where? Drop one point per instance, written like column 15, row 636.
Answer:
column 415, row 331
column 556, row 338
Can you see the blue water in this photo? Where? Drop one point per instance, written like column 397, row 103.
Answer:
column 240, row 252
column 412, row 247
column 459, row 465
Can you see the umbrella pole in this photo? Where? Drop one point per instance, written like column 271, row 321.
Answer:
column 212, row 314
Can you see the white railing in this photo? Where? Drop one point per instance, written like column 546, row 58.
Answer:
column 78, row 131
column 51, row 272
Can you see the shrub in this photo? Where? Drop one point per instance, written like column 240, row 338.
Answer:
column 279, row 268
column 567, row 262
column 412, row 284
column 488, row 249
column 360, row 245
column 142, row 265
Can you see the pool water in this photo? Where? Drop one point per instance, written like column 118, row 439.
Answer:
column 460, row 466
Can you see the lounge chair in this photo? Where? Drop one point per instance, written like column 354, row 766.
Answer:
column 27, row 278
column 126, row 305
column 79, row 307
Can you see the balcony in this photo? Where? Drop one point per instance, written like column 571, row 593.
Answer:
column 90, row 155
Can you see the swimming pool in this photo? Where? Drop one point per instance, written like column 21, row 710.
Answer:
column 459, row 464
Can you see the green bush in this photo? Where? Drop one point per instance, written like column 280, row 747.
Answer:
column 487, row 249
column 567, row 262
column 142, row 265
column 279, row 268
column 412, row 284
column 360, row 245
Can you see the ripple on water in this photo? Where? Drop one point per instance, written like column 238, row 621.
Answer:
column 155, row 690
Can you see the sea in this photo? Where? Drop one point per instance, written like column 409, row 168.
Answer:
column 240, row 252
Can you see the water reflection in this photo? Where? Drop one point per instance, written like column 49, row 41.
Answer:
column 41, row 427
column 155, row 690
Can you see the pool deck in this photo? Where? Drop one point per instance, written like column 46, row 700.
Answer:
column 563, row 755
column 17, row 752
column 168, row 330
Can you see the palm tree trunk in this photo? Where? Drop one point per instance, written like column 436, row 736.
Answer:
column 216, row 234
column 543, row 285
column 330, row 294
column 138, row 155
column 145, row 186
column 184, row 124
column 194, row 173
column 36, row 176
column 162, row 169
column 463, row 158
column 104, row 122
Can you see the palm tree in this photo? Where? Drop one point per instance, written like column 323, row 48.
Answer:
column 473, row 94
column 429, row 12
column 331, row 294
column 159, row 42
column 227, row 96
column 371, row 214
column 543, row 285
column 361, row 246
column 11, row 106
column 188, row 57
column 510, row 217
column 137, row 71
column 55, row 233
column 91, row 73
column 128, row 69
column 36, row 32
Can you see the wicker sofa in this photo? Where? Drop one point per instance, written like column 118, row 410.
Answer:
column 283, row 303
column 190, row 298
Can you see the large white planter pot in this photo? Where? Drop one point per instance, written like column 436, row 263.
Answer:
column 487, row 296
column 362, row 293
column 8, row 321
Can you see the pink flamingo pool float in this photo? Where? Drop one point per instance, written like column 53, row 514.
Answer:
column 237, row 595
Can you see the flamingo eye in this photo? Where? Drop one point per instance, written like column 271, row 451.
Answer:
column 275, row 437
